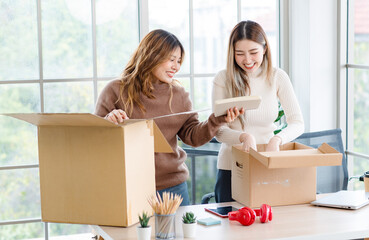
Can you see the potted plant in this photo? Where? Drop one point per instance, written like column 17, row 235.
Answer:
column 189, row 225
column 144, row 230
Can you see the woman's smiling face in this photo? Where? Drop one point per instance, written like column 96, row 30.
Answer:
column 248, row 55
column 166, row 70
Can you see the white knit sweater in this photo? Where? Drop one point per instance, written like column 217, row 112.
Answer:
column 259, row 122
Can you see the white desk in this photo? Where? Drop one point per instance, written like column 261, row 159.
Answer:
column 289, row 222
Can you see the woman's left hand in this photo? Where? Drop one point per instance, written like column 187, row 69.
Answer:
column 273, row 145
column 233, row 113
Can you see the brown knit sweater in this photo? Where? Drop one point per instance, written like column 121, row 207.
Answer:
column 170, row 168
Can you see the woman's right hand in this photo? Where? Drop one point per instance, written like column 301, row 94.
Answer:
column 116, row 116
column 248, row 141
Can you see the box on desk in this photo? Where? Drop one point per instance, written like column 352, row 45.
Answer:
column 93, row 171
column 279, row 178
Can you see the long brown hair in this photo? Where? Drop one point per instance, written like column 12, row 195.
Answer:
column 154, row 49
column 238, row 82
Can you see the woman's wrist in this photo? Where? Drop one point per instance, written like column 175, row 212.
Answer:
column 277, row 139
column 242, row 137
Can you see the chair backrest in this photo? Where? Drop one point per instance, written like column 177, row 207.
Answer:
column 329, row 178
column 211, row 150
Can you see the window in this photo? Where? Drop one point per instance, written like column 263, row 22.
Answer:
column 57, row 55
column 357, row 82
column 204, row 27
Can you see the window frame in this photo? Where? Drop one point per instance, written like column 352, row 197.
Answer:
column 346, row 89
column 143, row 24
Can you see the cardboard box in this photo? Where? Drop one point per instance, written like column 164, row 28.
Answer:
column 279, row 178
column 93, row 171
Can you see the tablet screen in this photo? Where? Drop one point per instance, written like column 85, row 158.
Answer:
column 221, row 211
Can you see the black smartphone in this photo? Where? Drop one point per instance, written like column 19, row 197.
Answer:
column 221, row 211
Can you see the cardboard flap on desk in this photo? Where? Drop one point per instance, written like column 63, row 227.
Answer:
column 63, row 119
column 295, row 155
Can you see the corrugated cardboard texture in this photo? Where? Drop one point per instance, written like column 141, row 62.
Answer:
column 160, row 143
column 93, row 171
column 241, row 177
column 140, row 169
column 82, row 175
column 279, row 178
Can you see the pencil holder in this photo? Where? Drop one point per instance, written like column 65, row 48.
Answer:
column 165, row 226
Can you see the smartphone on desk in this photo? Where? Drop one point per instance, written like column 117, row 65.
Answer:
column 221, row 211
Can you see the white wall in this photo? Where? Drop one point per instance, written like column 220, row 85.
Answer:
column 313, row 60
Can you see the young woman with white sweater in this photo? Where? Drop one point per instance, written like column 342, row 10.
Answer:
column 250, row 72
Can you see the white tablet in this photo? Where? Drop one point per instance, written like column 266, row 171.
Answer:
column 246, row 102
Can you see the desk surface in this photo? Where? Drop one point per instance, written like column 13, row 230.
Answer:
column 289, row 222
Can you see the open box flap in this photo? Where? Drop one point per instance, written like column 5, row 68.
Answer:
column 89, row 120
column 63, row 119
column 160, row 142
column 299, row 158
column 326, row 148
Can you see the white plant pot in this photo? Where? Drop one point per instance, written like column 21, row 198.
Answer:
column 189, row 230
column 143, row 233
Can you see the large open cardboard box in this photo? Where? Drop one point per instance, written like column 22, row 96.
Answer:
column 93, row 171
column 279, row 178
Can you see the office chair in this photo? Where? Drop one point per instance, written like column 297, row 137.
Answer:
column 329, row 178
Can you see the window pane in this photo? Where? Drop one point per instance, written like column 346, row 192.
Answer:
column 361, row 31
column 360, row 122
column 212, row 24
column 20, row 194
column 206, row 169
column 263, row 12
column 202, row 96
column 172, row 16
column 100, row 86
column 18, row 142
column 361, row 113
column 20, row 98
column 71, row 97
column 30, row 231
column 18, row 37
column 18, row 139
column 361, row 165
column 66, row 38
column 185, row 82
column 117, row 35
column 71, row 231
